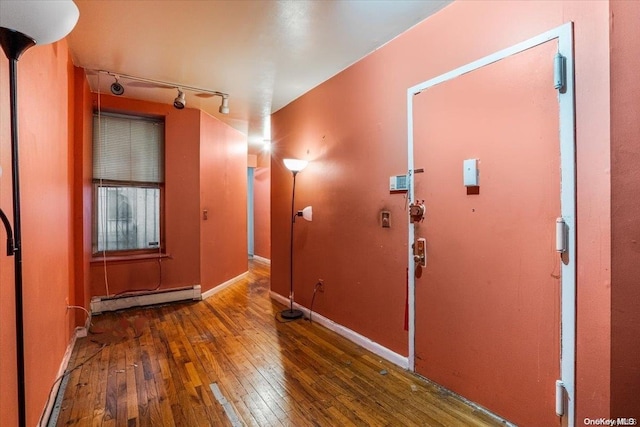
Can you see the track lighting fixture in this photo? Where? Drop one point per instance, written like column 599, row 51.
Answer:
column 180, row 100
column 224, row 106
column 117, row 88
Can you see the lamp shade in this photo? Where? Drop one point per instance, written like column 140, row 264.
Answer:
column 307, row 213
column 44, row 21
column 295, row 165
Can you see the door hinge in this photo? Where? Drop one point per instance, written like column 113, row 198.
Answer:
column 559, row 398
column 559, row 72
column 561, row 236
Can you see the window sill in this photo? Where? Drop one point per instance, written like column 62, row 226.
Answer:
column 121, row 258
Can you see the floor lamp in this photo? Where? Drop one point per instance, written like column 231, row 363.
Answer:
column 24, row 24
column 295, row 166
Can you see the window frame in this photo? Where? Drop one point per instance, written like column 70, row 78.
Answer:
column 124, row 254
column 95, row 252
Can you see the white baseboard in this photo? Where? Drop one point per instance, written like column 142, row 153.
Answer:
column 224, row 285
column 64, row 365
column 361, row 340
column 102, row 304
column 261, row 259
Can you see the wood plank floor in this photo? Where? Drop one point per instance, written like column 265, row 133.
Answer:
column 155, row 367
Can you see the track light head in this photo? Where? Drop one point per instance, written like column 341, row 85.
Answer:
column 224, row 107
column 117, row 88
column 180, row 100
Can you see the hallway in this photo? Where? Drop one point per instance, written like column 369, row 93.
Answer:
column 157, row 366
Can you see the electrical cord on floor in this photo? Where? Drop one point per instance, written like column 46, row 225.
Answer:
column 67, row 372
column 136, row 291
column 85, row 310
column 315, row 289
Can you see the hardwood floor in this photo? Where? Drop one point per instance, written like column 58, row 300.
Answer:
column 155, row 367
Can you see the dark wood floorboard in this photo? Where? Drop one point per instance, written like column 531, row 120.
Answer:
column 155, row 366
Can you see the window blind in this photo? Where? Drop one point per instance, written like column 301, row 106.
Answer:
column 128, row 149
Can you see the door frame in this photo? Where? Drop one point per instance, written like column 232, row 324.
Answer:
column 564, row 35
column 250, row 212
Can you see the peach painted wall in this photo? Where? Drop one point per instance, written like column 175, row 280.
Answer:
column 188, row 135
column 357, row 143
column 223, row 194
column 82, row 190
column 262, row 206
column 625, row 205
column 45, row 80
column 182, row 230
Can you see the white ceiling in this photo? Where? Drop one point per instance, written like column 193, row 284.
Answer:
column 263, row 53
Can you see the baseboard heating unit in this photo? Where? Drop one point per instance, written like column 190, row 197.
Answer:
column 113, row 303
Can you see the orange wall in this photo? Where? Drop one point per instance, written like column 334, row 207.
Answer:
column 181, row 205
column 625, row 205
column 223, row 194
column 82, row 190
column 357, row 143
column 197, row 150
column 45, row 93
column 262, row 207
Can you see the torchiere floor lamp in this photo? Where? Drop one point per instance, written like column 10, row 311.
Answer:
column 295, row 166
column 24, row 24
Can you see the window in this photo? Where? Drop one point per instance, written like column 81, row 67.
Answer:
column 128, row 183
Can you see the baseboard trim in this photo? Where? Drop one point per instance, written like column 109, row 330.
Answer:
column 361, row 340
column 261, row 259
column 64, row 365
column 102, row 304
column 224, row 285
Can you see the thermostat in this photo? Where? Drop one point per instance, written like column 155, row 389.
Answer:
column 398, row 183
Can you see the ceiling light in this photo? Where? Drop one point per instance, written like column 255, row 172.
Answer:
column 117, row 88
column 224, row 107
column 180, row 100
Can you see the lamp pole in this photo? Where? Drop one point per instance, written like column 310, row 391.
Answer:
column 292, row 314
column 14, row 45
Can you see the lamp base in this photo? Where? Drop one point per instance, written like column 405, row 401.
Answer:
column 291, row 314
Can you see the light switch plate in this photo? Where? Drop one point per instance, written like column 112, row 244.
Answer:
column 470, row 172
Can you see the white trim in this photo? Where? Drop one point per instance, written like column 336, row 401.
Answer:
column 568, row 208
column 224, row 285
column 260, row 259
column 102, row 304
column 490, row 59
column 564, row 34
column 349, row 334
column 411, row 273
column 64, row 364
